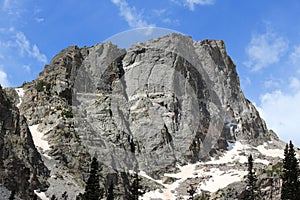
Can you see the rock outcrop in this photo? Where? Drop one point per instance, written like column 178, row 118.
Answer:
column 157, row 96
column 165, row 102
column 21, row 167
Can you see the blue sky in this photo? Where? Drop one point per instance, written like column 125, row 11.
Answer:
column 261, row 36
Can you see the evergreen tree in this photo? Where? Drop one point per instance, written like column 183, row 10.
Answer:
column 291, row 173
column 204, row 196
column 79, row 197
column 251, row 180
column 110, row 192
column 191, row 191
column 132, row 145
column 64, row 196
column 285, row 174
column 12, row 195
column 136, row 189
column 34, row 197
column 92, row 189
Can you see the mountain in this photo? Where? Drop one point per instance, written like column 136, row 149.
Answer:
column 170, row 109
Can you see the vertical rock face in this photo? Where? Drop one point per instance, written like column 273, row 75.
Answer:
column 239, row 113
column 21, row 167
column 47, row 102
column 163, row 102
column 172, row 99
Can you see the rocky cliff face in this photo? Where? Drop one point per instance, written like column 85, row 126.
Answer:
column 21, row 167
column 166, row 102
column 160, row 95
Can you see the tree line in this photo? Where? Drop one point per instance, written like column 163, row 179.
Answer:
column 290, row 189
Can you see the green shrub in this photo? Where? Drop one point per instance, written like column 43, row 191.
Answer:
column 67, row 113
column 43, row 86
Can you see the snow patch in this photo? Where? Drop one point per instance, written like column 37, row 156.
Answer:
column 185, row 171
column 20, row 92
column 230, row 145
column 38, row 139
column 232, row 155
column 270, row 152
column 169, row 192
column 41, row 195
column 127, row 68
column 238, row 152
column 213, row 180
column 265, row 162
column 220, row 179
column 144, row 174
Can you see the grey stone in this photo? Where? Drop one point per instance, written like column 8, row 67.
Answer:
column 163, row 102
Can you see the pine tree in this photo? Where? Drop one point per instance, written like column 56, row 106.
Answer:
column 285, row 174
column 64, row 196
column 110, row 192
column 136, row 189
column 191, row 191
column 92, row 189
column 12, row 195
column 79, row 197
column 251, row 180
column 291, row 174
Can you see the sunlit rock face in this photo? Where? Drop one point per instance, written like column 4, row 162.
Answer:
column 165, row 101
column 160, row 103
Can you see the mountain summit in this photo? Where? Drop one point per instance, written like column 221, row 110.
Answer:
column 169, row 109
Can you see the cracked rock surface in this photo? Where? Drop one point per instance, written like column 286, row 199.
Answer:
column 160, row 103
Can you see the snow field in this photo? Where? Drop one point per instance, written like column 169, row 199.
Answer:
column 38, row 139
column 20, row 92
column 220, row 179
column 232, row 155
column 41, row 195
column 213, row 178
column 270, row 152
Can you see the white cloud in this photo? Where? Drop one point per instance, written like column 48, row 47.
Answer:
column 26, row 68
column 25, row 47
column 13, row 9
column 159, row 12
column 272, row 83
column 7, row 4
column 295, row 56
column 3, row 78
column 245, row 81
column 170, row 21
column 191, row 3
column 281, row 111
column 264, row 50
column 22, row 43
column 294, row 83
column 16, row 55
column 38, row 55
column 132, row 17
column 39, row 19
